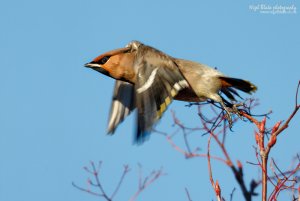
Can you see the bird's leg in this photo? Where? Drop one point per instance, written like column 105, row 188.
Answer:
column 235, row 109
column 227, row 115
column 229, row 110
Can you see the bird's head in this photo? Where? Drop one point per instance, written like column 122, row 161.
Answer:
column 118, row 63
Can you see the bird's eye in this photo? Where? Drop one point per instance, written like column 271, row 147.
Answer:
column 104, row 60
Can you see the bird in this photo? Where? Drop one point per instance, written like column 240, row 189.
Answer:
column 148, row 80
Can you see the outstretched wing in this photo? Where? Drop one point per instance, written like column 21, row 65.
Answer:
column 122, row 104
column 158, row 81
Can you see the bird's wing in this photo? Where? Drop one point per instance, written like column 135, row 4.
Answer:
column 122, row 104
column 158, row 81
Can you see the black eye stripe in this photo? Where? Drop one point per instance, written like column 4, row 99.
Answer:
column 104, row 60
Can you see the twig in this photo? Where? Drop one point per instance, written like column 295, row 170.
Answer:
column 95, row 171
column 192, row 154
column 98, row 183
column 237, row 173
column 188, row 194
column 86, row 190
column 265, row 150
column 231, row 194
column 215, row 186
column 126, row 170
column 146, row 182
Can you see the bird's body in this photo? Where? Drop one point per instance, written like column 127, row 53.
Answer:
column 148, row 79
column 203, row 80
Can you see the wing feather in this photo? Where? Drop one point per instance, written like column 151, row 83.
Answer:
column 158, row 81
column 122, row 104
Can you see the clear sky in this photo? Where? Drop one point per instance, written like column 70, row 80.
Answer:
column 54, row 110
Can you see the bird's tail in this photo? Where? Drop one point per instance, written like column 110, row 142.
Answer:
column 229, row 83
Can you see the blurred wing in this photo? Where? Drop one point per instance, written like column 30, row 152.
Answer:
column 122, row 104
column 158, row 81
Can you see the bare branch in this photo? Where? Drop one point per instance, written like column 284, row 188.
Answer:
column 188, row 194
column 146, row 182
column 215, row 185
column 231, row 194
column 95, row 172
column 126, row 170
column 264, row 151
column 86, row 190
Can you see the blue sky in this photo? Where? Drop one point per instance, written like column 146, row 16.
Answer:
column 54, row 111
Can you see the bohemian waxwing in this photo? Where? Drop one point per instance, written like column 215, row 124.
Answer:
column 148, row 79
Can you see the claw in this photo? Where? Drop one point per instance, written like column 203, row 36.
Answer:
column 236, row 111
column 230, row 110
column 228, row 116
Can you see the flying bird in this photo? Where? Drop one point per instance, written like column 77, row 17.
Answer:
column 149, row 79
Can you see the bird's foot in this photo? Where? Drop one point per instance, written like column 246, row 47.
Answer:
column 228, row 115
column 232, row 110
column 236, row 111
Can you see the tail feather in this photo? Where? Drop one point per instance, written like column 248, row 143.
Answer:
column 227, row 93
column 234, row 92
column 230, row 92
column 239, row 84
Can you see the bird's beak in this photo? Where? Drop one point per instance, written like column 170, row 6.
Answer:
column 97, row 67
column 92, row 65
